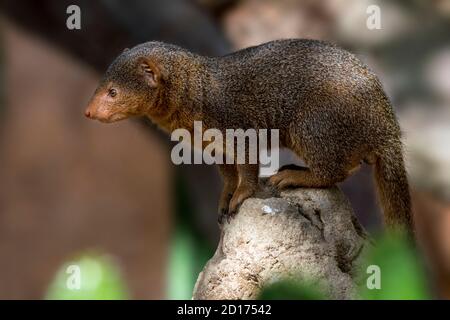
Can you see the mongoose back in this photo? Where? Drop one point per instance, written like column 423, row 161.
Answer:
column 330, row 110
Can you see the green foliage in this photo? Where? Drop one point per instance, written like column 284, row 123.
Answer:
column 189, row 251
column 99, row 279
column 291, row 290
column 187, row 258
column 402, row 273
column 181, row 275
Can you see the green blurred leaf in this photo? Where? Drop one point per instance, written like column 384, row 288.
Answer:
column 189, row 249
column 291, row 290
column 401, row 272
column 181, row 274
column 402, row 275
column 89, row 277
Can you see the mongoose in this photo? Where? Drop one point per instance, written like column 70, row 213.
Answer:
column 330, row 110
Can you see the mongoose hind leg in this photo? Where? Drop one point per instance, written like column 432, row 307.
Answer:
column 298, row 178
column 248, row 185
column 292, row 167
column 230, row 181
column 330, row 153
column 318, row 177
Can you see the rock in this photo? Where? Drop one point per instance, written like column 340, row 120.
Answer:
column 309, row 234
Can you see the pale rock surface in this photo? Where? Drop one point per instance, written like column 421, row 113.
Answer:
column 309, row 234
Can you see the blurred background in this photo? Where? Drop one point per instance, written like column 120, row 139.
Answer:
column 107, row 197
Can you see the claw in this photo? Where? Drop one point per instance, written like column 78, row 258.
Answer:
column 225, row 216
column 222, row 216
column 238, row 198
column 282, row 180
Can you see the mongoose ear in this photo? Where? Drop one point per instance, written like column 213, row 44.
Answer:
column 152, row 74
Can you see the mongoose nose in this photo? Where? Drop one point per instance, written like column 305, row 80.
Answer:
column 87, row 113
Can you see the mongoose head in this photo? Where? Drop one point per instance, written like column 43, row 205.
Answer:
column 131, row 86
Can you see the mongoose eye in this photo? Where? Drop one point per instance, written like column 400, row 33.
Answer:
column 112, row 92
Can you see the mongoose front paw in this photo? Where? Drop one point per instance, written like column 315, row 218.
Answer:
column 224, row 204
column 241, row 193
column 224, row 215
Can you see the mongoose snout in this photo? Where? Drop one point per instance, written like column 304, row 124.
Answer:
column 106, row 106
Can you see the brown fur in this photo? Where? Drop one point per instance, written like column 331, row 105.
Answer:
column 330, row 109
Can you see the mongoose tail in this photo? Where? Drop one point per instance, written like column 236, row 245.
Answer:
column 393, row 188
